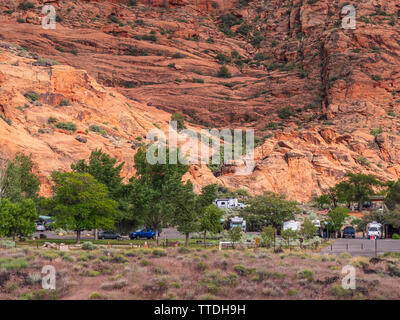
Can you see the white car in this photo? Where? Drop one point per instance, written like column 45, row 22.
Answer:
column 40, row 227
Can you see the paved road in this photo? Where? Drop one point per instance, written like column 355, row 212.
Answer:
column 169, row 233
column 362, row 247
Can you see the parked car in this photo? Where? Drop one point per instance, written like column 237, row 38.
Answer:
column 142, row 233
column 40, row 227
column 108, row 234
column 349, row 232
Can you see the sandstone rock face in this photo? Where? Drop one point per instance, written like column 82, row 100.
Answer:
column 341, row 87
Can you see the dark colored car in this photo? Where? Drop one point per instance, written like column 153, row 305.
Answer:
column 142, row 233
column 109, row 235
column 349, row 232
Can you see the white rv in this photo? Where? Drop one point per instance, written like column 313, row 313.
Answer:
column 374, row 229
column 228, row 203
column 294, row 225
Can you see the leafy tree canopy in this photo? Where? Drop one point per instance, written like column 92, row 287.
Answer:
column 80, row 202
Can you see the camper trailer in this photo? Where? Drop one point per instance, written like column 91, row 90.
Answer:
column 294, row 225
column 237, row 222
column 374, row 229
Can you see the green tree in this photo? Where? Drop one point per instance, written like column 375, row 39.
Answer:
column 186, row 215
column 17, row 180
column 323, row 200
column 343, row 192
column 308, row 229
column 289, row 234
column 235, row 234
column 156, row 188
column 362, row 186
column 268, row 209
column 210, row 220
column 104, row 169
column 80, row 202
column 17, row 219
column 393, row 196
column 336, row 218
column 268, row 235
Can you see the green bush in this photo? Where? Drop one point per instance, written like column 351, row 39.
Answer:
column 7, row 244
column 31, row 96
column 306, row 274
column 15, row 264
column 66, row 126
column 89, row 246
column 396, row 236
column 285, row 113
column 223, row 72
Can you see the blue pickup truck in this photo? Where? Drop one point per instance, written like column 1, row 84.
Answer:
column 142, row 233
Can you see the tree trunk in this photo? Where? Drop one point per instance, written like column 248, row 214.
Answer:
column 166, row 3
column 186, row 239
column 96, row 234
column 78, row 236
column 205, row 236
column 157, row 239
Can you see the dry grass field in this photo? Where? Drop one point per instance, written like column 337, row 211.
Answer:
column 194, row 273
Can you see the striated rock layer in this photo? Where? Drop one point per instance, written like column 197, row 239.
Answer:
column 125, row 68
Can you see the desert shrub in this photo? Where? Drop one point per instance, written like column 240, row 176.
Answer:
column 293, row 292
column 119, row 284
column 158, row 253
column 46, row 62
column 7, row 244
column 158, row 286
column 201, row 266
column 223, row 72
column 131, row 253
column 144, row 263
column 49, row 255
column 69, row 126
column 14, row 264
column 214, row 281
column 26, row 5
column 93, row 273
column 338, row 291
column 285, row 112
column 95, row 296
column 89, row 246
column 241, row 270
column 183, row 250
column 31, row 96
column 272, row 292
column 119, row 258
column 345, row 255
column 65, row 102
column 393, row 270
column 68, row 258
column 306, row 274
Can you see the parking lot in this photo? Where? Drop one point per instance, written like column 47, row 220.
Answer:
column 362, row 247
